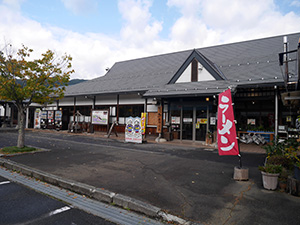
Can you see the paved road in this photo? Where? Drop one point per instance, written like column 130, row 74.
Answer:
column 21, row 205
column 190, row 182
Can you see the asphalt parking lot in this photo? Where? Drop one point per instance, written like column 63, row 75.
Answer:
column 21, row 205
column 188, row 181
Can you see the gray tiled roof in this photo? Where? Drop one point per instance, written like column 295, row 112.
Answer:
column 133, row 75
column 256, row 60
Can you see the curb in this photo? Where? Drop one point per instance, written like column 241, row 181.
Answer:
column 99, row 194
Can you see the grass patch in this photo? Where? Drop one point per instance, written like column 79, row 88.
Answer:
column 15, row 149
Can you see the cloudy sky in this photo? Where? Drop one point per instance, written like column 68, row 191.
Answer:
column 98, row 33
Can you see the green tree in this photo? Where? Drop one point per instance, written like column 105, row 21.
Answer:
column 24, row 80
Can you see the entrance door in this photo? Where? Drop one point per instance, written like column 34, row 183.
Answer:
column 201, row 123
column 187, row 123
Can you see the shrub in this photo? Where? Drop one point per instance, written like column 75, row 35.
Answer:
column 271, row 168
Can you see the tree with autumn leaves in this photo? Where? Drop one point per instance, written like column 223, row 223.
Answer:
column 24, row 80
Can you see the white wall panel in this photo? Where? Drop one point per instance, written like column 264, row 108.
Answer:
column 131, row 99
column 151, row 108
column 67, row 101
column 106, row 100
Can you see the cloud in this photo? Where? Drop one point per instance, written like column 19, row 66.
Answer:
column 201, row 23
column 139, row 27
column 79, row 7
column 13, row 3
column 208, row 22
column 295, row 3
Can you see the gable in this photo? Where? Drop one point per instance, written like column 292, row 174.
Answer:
column 205, row 70
column 195, row 72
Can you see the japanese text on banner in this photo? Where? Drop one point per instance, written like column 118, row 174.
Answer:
column 227, row 142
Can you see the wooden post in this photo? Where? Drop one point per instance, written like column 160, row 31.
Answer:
column 118, row 101
column 74, row 109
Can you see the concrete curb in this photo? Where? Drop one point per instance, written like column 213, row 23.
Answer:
column 93, row 192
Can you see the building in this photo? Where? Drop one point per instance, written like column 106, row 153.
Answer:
column 179, row 90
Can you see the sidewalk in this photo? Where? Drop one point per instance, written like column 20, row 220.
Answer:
column 244, row 148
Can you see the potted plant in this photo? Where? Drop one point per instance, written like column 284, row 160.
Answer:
column 209, row 137
column 270, row 174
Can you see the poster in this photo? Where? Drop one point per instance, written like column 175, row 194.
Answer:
column 212, row 120
column 133, row 130
column 175, row 120
column 50, row 115
column 37, row 121
column 251, row 121
column 100, row 117
column 44, row 115
column 58, row 115
column 202, row 120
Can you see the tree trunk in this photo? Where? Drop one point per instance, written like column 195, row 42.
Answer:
column 21, row 126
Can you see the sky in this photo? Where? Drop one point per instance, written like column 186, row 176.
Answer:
column 99, row 33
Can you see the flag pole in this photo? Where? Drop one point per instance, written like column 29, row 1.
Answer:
column 237, row 137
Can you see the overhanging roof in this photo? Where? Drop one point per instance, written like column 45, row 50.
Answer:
column 245, row 63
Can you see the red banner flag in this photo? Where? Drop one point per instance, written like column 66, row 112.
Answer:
column 227, row 142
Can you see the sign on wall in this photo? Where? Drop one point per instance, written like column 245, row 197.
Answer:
column 133, row 130
column 100, row 117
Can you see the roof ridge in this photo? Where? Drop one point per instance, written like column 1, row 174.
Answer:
column 247, row 41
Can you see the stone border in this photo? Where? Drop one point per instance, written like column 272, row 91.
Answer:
column 94, row 192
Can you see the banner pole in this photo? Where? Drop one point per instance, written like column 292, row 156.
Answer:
column 237, row 136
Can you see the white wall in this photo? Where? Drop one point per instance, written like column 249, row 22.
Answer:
column 131, row 99
column 203, row 74
column 186, row 75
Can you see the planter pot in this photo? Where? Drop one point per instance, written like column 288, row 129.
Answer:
column 270, row 180
column 283, row 186
column 297, row 172
column 241, row 173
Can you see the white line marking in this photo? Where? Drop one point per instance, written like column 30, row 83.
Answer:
column 57, row 211
column 4, row 182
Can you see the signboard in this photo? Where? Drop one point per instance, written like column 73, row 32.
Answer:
column 175, row 120
column 212, row 120
column 159, row 119
column 58, row 115
column 227, row 142
column 202, row 120
column 37, row 121
column 133, row 130
column 100, row 117
column 44, row 115
column 251, row 121
column 143, row 122
column 50, row 115
column 187, row 120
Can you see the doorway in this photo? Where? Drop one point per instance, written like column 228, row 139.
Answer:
column 191, row 122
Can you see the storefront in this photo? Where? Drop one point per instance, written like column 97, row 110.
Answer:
column 179, row 91
column 192, row 120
